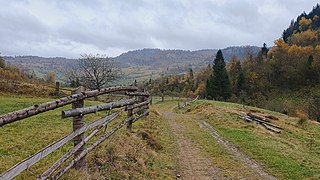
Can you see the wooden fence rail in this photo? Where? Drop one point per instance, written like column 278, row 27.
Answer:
column 39, row 108
column 137, row 106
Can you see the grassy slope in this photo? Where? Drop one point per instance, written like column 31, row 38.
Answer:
column 293, row 154
column 122, row 156
column 291, row 101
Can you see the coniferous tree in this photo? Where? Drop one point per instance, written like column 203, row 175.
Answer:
column 2, row 63
column 219, row 84
column 209, row 88
column 233, row 70
column 241, row 83
column 310, row 75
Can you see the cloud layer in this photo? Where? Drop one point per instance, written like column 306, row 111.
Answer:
column 70, row 28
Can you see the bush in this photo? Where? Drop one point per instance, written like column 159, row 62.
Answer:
column 313, row 108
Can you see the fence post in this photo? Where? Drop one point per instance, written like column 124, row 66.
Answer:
column 57, row 88
column 78, row 122
column 130, row 114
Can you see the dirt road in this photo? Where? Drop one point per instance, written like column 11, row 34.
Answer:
column 195, row 163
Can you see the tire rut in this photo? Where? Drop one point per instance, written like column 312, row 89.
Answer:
column 193, row 164
column 236, row 152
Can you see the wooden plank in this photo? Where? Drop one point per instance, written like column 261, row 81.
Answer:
column 47, row 106
column 270, row 128
column 23, row 165
column 96, row 108
column 66, row 156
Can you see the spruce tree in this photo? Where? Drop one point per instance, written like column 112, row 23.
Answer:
column 209, row 88
column 2, row 63
column 241, row 86
column 219, row 83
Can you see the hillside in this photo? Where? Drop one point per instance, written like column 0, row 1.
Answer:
column 41, row 65
column 205, row 139
column 151, row 62
column 165, row 58
column 224, row 145
column 304, row 22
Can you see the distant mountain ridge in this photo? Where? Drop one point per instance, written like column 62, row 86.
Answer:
column 155, row 61
column 156, row 57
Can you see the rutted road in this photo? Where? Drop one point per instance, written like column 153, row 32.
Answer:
column 194, row 164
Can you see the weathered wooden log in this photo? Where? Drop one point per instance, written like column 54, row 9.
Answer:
column 245, row 117
column 101, row 139
column 57, row 89
column 195, row 99
column 39, row 108
column 273, row 125
column 96, row 108
column 258, row 117
column 248, row 118
column 139, row 104
column 270, row 128
column 59, row 162
column 145, row 113
column 23, row 165
column 129, row 116
column 78, row 123
column 90, row 148
column 140, row 109
column 147, row 94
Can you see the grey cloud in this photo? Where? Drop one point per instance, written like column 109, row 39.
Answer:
column 69, row 28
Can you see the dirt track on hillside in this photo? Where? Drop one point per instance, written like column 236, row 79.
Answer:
column 194, row 165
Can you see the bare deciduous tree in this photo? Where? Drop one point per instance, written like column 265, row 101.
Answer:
column 97, row 71
column 73, row 77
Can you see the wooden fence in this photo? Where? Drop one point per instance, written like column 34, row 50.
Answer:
column 136, row 105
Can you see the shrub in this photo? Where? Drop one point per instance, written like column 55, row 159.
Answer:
column 313, row 108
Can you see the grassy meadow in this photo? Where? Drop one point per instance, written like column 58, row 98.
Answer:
column 145, row 153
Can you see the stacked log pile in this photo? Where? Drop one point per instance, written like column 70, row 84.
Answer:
column 263, row 121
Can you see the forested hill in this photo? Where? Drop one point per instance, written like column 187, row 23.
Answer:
column 40, row 66
column 156, row 57
column 305, row 23
column 153, row 59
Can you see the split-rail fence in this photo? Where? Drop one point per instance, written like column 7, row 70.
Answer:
column 137, row 106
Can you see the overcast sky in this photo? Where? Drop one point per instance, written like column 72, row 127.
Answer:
column 73, row 27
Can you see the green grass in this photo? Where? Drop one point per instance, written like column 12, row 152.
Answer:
column 213, row 151
column 293, row 154
column 23, row 138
